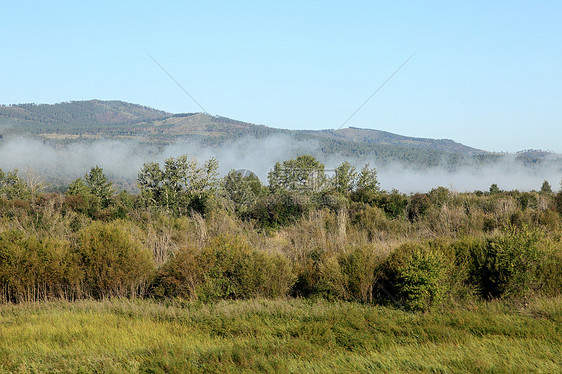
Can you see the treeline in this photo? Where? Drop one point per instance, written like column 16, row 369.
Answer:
column 309, row 233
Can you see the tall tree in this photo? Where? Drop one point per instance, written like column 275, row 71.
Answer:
column 304, row 174
column 345, row 178
column 99, row 185
column 367, row 181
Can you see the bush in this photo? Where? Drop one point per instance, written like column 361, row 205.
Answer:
column 33, row 269
column 114, row 262
column 227, row 268
column 507, row 265
column 350, row 276
column 280, row 209
column 393, row 203
column 233, row 270
column 419, row 204
column 178, row 277
column 415, row 276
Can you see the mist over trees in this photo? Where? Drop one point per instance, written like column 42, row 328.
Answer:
column 311, row 232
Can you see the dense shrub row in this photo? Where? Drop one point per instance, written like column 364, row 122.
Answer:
column 109, row 259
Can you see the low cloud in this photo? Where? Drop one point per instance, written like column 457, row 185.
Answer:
column 121, row 160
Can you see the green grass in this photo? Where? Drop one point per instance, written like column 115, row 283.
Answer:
column 278, row 336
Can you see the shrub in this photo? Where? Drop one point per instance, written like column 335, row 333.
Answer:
column 392, row 203
column 114, row 262
column 232, row 269
column 350, row 276
column 178, row 277
column 507, row 264
column 419, row 204
column 33, row 269
column 280, row 209
column 415, row 276
column 227, row 268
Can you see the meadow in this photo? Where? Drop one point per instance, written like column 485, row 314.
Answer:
column 281, row 335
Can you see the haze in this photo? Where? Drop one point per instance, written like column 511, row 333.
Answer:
column 121, row 161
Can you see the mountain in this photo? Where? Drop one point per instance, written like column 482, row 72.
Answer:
column 354, row 134
column 77, row 115
column 82, row 120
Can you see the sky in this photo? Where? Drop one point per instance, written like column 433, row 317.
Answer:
column 487, row 74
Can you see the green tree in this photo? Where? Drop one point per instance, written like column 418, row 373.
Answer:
column 345, row 178
column 558, row 200
column 150, row 179
column 545, row 188
column 494, row 189
column 304, row 174
column 367, row 180
column 78, row 188
column 12, row 186
column 181, row 183
column 243, row 190
column 99, row 185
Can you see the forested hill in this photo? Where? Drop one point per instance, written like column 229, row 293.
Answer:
column 117, row 118
column 369, row 136
column 79, row 120
column 77, row 115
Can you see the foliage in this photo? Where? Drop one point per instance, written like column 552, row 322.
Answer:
column 508, row 264
column 243, row 190
column 12, row 186
column 227, row 268
column 33, row 269
column 419, row 204
column 546, row 188
column 350, row 275
column 181, row 187
column 415, row 276
column 280, row 209
column 99, row 185
column 189, row 235
column 494, row 189
column 303, row 175
column 345, row 178
column 114, row 262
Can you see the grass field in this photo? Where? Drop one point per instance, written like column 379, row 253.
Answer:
column 278, row 336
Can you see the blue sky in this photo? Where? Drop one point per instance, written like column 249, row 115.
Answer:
column 485, row 73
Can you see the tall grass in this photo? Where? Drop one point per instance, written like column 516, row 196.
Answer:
column 278, row 336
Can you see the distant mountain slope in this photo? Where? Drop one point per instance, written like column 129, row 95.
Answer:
column 79, row 120
column 117, row 118
column 78, row 115
column 354, row 134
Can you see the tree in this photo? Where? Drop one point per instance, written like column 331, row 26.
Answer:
column 558, row 200
column 181, row 183
column 12, row 186
column 78, row 188
column 304, row 174
column 243, row 190
column 494, row 189
column 150, row 179
column 367, row 181
column 345, row 178
column 99, row 185
column 545, row 188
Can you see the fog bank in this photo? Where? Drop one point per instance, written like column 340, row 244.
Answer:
column 122, row 160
